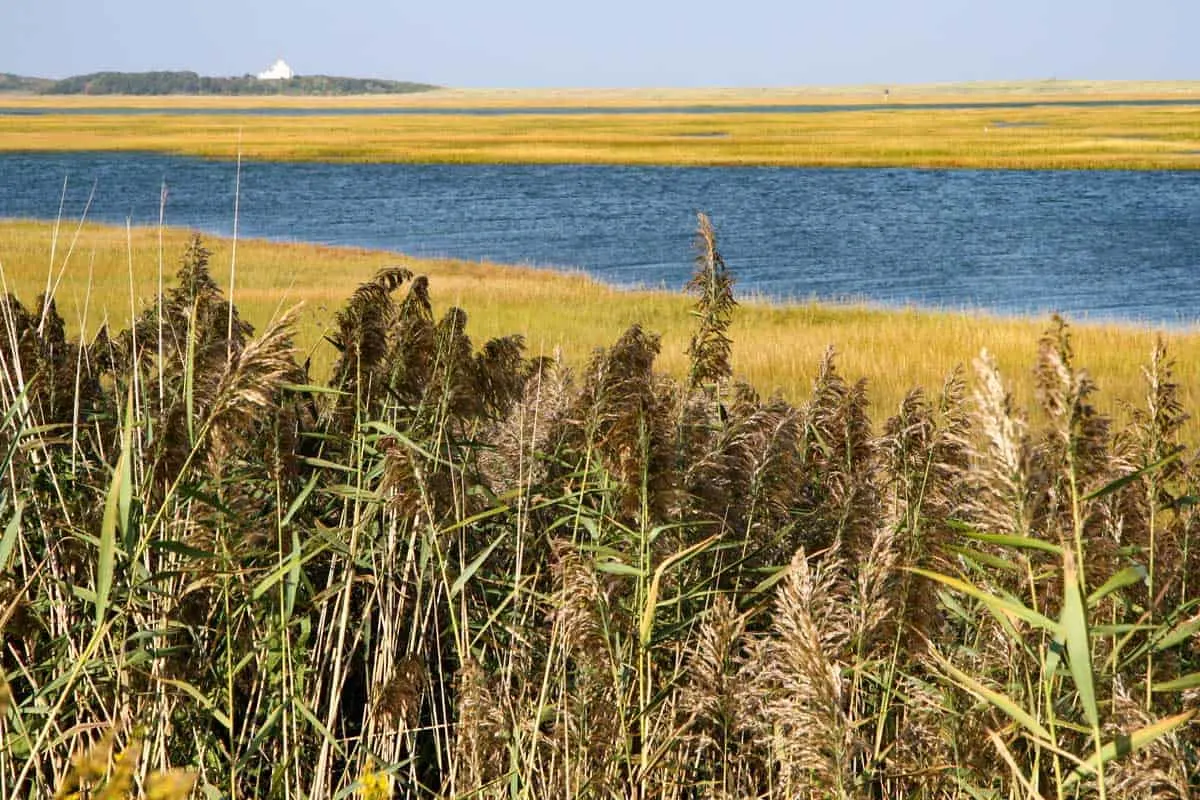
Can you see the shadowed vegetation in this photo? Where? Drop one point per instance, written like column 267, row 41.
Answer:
column 451, row 569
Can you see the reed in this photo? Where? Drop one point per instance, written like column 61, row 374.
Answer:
column 438, row 568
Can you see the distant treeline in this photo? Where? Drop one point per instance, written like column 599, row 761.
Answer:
column 157, row 83
column 20, row 83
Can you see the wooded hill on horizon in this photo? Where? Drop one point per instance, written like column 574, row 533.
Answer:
column 185, row 82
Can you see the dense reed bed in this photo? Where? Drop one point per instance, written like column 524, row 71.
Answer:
column 1098, row 137
column 451, row 570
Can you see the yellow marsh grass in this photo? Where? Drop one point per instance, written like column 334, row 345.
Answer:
column 567, row 97
column 1130, row 137
column 776, row 347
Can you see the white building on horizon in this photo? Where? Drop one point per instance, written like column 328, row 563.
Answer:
column 279, row 71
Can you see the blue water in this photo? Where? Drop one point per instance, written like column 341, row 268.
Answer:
column 805, row 108
column 1093, row 245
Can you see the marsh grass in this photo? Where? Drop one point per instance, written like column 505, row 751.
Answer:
column 777, row 347
column 1097, row 137
column 567, row 97
column 442, row 569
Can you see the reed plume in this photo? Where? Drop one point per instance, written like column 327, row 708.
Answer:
column 710, row 347
column 815, row 742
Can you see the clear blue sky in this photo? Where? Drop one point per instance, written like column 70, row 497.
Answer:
column 517, row 43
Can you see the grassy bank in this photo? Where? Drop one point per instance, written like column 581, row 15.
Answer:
column 1107, row 137
column 777, row 347
column 451, row 569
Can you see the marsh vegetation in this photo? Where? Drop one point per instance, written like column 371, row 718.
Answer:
column 1097, row 137
column 458, row 570
column 777, row 347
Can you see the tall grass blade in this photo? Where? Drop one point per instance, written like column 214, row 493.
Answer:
column 1178, row 635
column 995, row 698
column 1011, row 540
column 1123, row 579
column 8, row 541
column 1001, row 606
column 1125, row 744
column 1013, row 767
column 650, row 605
column 1077, row 639
column 116, row 514
column 1125, row 480
column 1182, row 684
column 469, row 571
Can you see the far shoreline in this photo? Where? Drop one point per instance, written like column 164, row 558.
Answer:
column 499, row 97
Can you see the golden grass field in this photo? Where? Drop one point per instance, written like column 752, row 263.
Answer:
column 1045, row 136
column 776, row 347
column 566, row 97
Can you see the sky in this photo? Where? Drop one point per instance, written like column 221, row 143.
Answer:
column 615, row 43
